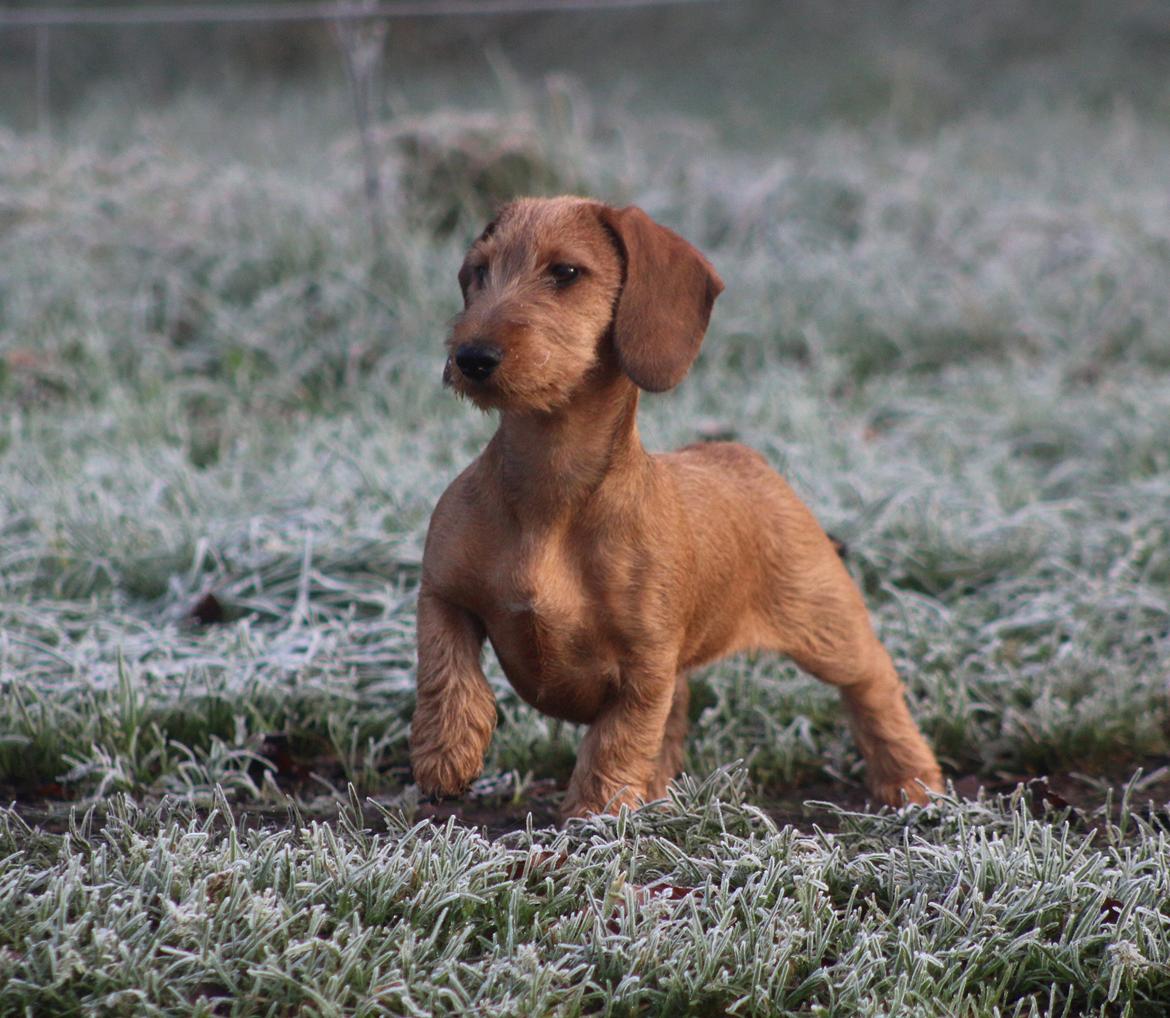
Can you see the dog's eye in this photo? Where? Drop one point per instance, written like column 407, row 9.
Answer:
column 480, row 275
column 564, row 275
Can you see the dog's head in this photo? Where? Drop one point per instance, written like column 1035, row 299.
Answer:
column 555, row 288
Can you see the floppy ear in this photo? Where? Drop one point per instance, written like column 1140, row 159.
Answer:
column 665, row 303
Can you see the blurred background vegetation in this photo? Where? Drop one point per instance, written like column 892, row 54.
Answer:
column 754, row 67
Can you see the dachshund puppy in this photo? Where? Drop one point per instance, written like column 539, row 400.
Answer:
column 600, row 573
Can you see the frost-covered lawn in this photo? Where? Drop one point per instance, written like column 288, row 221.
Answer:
column 221, row 434
column 699, row 907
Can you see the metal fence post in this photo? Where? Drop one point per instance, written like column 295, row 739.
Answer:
column 361, row 46
column 44, row 124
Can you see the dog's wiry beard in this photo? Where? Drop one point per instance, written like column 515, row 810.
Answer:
column 537, row 391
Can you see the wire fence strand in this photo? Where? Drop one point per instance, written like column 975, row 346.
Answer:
column 222, row 13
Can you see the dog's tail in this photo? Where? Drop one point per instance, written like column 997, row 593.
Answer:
column 841, row 547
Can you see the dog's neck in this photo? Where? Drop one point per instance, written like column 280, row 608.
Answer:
column 550, row 464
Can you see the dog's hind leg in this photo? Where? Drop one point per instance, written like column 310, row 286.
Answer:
column 899, row 760
column 822, row 624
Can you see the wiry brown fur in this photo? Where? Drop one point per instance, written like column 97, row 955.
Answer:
column 602, row 574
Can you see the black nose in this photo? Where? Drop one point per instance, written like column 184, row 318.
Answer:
column 478, row 360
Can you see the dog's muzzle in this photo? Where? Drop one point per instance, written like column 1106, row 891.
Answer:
column 476, row 361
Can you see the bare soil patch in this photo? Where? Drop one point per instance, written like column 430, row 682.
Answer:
column 1087, row 801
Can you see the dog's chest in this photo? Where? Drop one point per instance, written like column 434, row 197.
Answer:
column 549, row 633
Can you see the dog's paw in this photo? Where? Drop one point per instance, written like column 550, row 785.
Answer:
column 445, row 772
column 598, row 798
column 446, row 758
column 914, row 788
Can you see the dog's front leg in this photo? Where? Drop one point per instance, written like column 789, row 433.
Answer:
column 455, row 714
column 618, row 762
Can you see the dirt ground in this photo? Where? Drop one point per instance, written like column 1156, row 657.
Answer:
column 498, row 809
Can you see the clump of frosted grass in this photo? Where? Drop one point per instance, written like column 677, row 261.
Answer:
column 697, row 905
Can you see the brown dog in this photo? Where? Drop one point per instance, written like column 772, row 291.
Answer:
column 602, row 574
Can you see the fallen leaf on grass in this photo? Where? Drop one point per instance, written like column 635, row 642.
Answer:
column 539, row 860
column 207, row 611
column 1045, row 800
column 644, row 894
